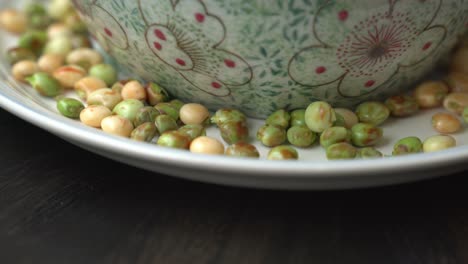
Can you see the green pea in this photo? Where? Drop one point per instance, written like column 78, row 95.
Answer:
column 156, row 94
column 34, row 40
column 168, row 109
column 105, row 72
column 193, row 131
column 45, row 84
column 59, row 45
column 319, row 116
column 334, row 135
column 301, row 136
column 14, row 55
column 341, row 150
column 271, row 135
column 73, row 21
column 402, row 105
column 407, row 145
column 465, row 115
column 234, row 131
column 165, row 123
column 177, row 104
column 372, row 112
column 174, row 139
column 298, row 117
column 39, row 21
column 368, row 153
column 283, row 152
column 144, row 132
column 146, row 114
column 242, row 149
column 224, row 115
column 70, row 107
column 280, row 118
column 34, row 9
column 340, row 120
column 128, row 109
column 364, row 134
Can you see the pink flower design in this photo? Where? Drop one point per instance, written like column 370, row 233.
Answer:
column 103, row 26
column 185, row 36
column 361, row 55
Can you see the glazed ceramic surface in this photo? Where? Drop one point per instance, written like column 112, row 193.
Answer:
column 263, row 55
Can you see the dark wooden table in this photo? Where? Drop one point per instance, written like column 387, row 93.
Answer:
column 60, row 204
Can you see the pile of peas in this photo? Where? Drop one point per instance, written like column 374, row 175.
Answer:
column 54, row 55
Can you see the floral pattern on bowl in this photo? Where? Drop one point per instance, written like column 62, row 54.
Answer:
column 262, row 55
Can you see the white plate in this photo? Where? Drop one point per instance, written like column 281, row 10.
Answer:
column 312, row 171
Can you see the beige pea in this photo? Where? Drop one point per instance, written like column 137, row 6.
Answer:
column 85, row 57
column 68, row 75
column 24, row 69
column 13, row 21
column 446, row 123
column 104, row 96
column 94, row 114
column 207, row 145
column 457, row 82
column 193, row 114
column 117, row 125
column 50, row 62
column 349, row 117
column 59, row 30
column 438, row 142
column 430, row 94
column 87, row 85
column 133, row 90
column 456, row 102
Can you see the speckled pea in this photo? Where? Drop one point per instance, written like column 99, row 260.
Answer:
column 59, row 45
column 193, row 131
column 45, row 84
column 33, row 40
column 105, row 72
column 368, row 153
column 446, row 123
column 117, row 125
column 407, row 145
column 207, row 145
column 234, row 131
column 283, row 152
column 319, row 116
column 279, row 118
column 14, row 55
column 165, row 123
column 430, row 94
column 242, row 149
column 174, row 139
column 372, row 112
column 105, row 97
column 144, row 132
column 168, row 109
column 456, row 102
column 438, row 142
column 271, row 135
column 298, row 117
column 364, row 135
column 334, row 135
column 146, row 114
column 402, row 105
column 339, row 151
column 70, row 107
column 128, row 109
column 224, row 115
column 457, row 82
column 178, row 104
column 156, row 94
column 301, row 136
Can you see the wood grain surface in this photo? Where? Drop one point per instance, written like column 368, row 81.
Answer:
column 62, row 205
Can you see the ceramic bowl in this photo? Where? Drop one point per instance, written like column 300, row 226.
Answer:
column 263, row 55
